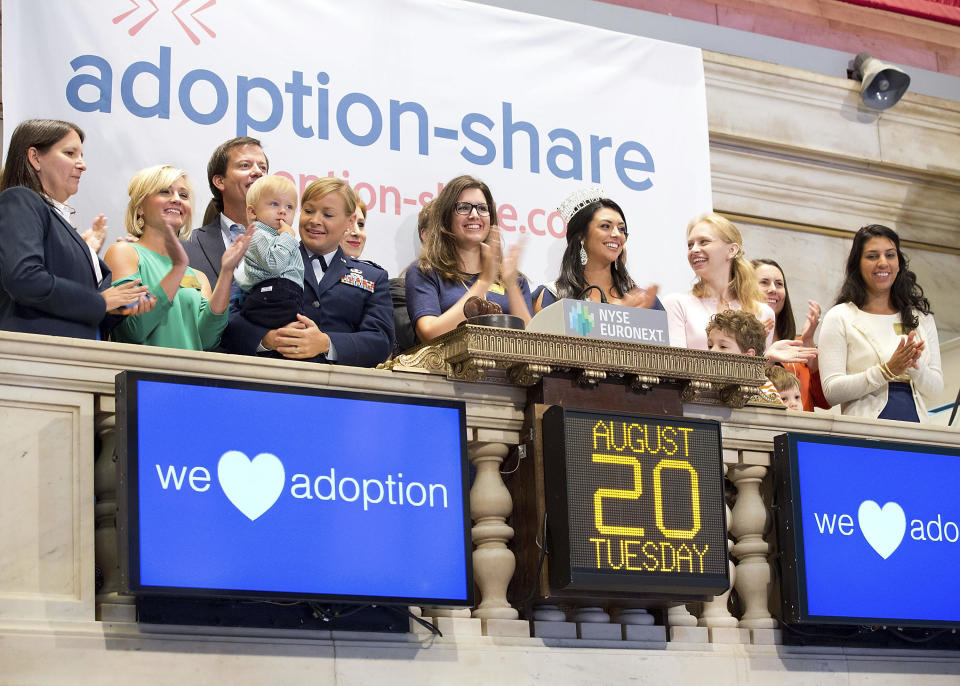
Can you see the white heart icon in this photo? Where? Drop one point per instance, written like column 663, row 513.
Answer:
column 882, row 527
column 252, row 485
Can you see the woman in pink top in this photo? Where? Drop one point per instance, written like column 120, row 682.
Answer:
column 725, row 281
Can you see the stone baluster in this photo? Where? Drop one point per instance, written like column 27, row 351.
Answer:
column 679, row 615
column 683, row 626
column 105, row 509
column 750, row 521
column 105, row 514
column 715, row 612
column 490, row 505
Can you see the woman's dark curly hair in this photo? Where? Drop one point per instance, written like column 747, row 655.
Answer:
column 906, row 295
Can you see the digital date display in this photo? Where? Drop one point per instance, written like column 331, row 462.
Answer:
column 635, row 503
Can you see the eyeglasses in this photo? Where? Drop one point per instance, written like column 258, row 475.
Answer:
column 467, row 207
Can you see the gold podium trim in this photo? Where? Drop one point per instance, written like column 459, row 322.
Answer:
column 471, row 352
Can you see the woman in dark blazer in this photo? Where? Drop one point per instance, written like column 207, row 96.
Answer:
column 50, row 281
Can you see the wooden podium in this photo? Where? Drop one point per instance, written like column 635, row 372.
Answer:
column 586, row 374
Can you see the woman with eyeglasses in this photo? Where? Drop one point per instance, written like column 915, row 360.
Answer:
column 461, row 258
column 594, row 265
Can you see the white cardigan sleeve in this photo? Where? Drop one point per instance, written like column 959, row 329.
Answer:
column 839, row 386
column 928, row 378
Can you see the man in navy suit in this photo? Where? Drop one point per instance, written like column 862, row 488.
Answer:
column 232, row 169
column 347, row 313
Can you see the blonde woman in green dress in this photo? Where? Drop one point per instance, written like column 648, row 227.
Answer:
column 188, row 314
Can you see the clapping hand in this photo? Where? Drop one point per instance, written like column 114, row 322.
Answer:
column 142, row 306
column 232, row 255
column 172, row 223
column 509, row 268
column 122, row 296
column 640, row 297
column 785, row 352
column 810, row 325
column 96, row 234
column 810, row 328
column 491, row 252
column 906, row 355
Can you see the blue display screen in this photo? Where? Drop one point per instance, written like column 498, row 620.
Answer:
column 269, row 492
column 880, row 528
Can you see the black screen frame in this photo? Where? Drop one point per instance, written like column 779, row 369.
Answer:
column 789, row 523
column 128, row 513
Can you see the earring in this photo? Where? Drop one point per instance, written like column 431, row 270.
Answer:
column 140, row 222
column 583, row 254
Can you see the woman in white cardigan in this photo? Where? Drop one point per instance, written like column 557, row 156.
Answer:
column 879, row 353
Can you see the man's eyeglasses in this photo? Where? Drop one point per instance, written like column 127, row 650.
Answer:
column 467, row 207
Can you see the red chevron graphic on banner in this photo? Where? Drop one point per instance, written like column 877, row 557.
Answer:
column 135, row 29
column 193, row 37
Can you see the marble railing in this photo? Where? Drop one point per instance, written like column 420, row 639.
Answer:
column 59, row 561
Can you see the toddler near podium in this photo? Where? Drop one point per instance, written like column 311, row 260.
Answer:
column 788, row 386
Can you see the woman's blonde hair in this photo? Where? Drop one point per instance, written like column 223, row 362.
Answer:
column 743, row 279
column 152, row 180
column 327, row 185
column 439, row 244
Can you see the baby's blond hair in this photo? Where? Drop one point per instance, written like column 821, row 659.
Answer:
column 270, row 184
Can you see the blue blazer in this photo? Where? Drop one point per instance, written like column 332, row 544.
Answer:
column 359, row 321
column 47, row 280
column 205, row 249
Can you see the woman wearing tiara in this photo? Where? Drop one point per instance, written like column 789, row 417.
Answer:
column 594, row 265
column 462, row 257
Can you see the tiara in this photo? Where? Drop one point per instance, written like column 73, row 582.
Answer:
column 577, row 200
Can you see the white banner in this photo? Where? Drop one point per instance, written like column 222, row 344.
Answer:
column 396, row 96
